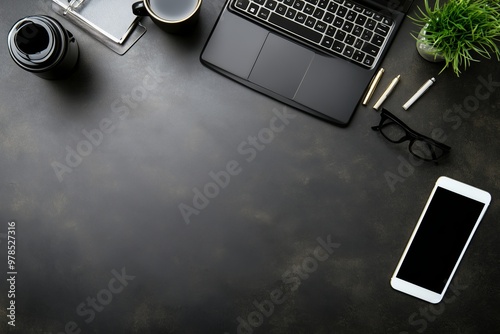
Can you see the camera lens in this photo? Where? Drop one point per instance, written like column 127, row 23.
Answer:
column 41, row 45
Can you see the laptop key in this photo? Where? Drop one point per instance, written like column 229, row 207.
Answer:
column 387, row 21
column 327, row 42
column 348, row 4
column 299, row 4
column 370, row 24
column 341, row 11
column 378, row 17
column 295, row 28
column 340, row 35
column 377, row 40
column 310, row 22
column 271, row 4
column 338, row 22
column 358, row 9
column 332, row 8
column 348, row 51
column 350, row 39
column 281, row 9
column 350, row 16
column 264, row 13
column 260, row 2
column 318, row 13
column 320, row 26
column 338, row 46
column 308, row 9
column 243, row 4
column 253, row 9
column 358, row 56
column 361, row 19
column 330, row 31
column 290, row 13
column 382, row 29
column 367, row 35
column 357, row 30
column 370, row 49
column 323, row 4
column 329, row 17
column 301, row 18
column 347, row 26
column 368, row 60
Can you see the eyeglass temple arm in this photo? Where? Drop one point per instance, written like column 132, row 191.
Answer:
column 433, row 152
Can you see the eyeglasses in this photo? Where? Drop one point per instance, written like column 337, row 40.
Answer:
column 422, row 147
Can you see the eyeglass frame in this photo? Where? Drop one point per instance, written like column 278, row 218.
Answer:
column 411, row 135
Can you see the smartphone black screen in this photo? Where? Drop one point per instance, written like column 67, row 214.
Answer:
column 440, row 239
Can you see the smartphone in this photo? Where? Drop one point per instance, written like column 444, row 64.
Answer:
column 438, row 242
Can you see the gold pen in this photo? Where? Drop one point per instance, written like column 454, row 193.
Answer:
column 372, row 86
column 387, row 92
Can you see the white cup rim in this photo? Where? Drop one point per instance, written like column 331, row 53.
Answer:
column 159, row 18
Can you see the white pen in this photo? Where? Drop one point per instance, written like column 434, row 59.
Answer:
column 419, row 93
column 387, row 92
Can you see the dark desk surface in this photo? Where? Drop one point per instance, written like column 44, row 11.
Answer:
column 116, row 212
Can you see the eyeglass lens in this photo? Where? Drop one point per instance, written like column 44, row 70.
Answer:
column 393, row 131
column 423, row 149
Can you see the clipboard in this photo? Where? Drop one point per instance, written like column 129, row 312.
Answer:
column 111, row 22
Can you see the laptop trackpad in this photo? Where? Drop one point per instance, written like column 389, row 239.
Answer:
column 281, row 66
column 234, row 45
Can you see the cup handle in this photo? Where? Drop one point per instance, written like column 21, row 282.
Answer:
column 139, row 9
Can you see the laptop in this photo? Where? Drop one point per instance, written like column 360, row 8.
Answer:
column 317, row 56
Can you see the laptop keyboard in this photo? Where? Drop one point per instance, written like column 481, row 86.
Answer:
column 337, row 27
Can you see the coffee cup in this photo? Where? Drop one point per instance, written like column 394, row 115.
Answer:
column 173, row 16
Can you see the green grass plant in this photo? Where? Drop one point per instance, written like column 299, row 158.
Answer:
column 460, row 30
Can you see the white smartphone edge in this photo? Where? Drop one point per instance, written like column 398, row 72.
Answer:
column 462, row 189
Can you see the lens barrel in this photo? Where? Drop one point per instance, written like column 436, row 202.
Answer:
column 41, row 45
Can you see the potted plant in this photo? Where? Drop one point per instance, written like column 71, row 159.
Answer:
column 458, row 31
